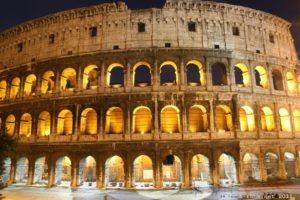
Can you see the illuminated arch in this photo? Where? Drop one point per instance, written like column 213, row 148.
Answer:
column 164, row 74
column 114, row 121
column 109, row 72
column 63, row 171
column 3, row 86
column 242, row 76
column 223, row 118
column 219, row 74
column 296, row 115
column 146, row 74
column 7, row 170
column 142, row 120
column 172, row 172
column 65, row 123
column 277, row 80
column 291, row 83
column 30, row 85
column 285, row 121
column 40, row 171
column 68, row 79
column 88, row 121
column 170, row 119
column 289, row 162
column 90, row 76
column 10, row 125
column 227, row 169
column 15, row 88
column 44, row 124
column 114, row 172
column 247, row 119
column 198, row 121
column 48, row 82
column 143, row 172
column 251, row 167
column 25, row 125
column 261, row 77
column 271, row 162
column 200, row 169
column 267, row 119
column 87, row 172
column 200, row 72
column 22, row 170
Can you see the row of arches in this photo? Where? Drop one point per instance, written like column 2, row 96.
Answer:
column 142, row 75
column 142, row 121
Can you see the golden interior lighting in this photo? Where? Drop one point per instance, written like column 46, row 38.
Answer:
column 88, row 122
column 263, row 76
column 10, row 125
column 108, row 73
column 172, row 172
column 65, row 123
column 68, row 79
column 296, row 115
column 25, row 125
column 30, row 85
column 142, row 120
column 44, row 124
column 143, row 170
column 48, row 82
column 251, row 167
column 202, row 80
column 3, row 86
column 198, row 119
column 170, row 119
column 267, row 119
column 200, row 168
column 245, row 74
column 14, row 88
column 114, row 121
column 223, row 118
column 291, row 83
column 285, row 121
column 114, row 168
column 90, row 76
column 247, row 119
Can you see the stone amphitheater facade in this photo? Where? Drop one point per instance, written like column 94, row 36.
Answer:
column 194, row 93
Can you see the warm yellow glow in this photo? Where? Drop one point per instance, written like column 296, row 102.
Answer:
column 291, row 83
column 223, row 118
column 172, row 172
column 143, row 171
column 65, row 123
column 201, row 70
column 109, row 69
column 198, row 119
column 3, row 86
column 200, row 168
column 10, row 125
column 25, row 125
column 90, row 76
column 114, row 121
column 267, row 119
column 285, row 121
column 88, row 121
column 14, row 88
column 142, row 120
column 115, row 169
column 247, row 119
column 44, row 124
column 171, row 63
column 296, row 115
column 246, row 75
column 170, row 119
column 48, row 82
column 30, row 85
column 263, row 76
column 68, row 79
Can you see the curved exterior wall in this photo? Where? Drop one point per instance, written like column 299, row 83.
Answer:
column 73, row 47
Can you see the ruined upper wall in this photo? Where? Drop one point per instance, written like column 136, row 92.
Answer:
column 117, row 28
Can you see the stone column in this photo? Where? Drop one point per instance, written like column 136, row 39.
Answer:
column 158, row 171
column 57, row 81
column 186, row 171
column 100, row 172
column 184, row 121
column 156, row 81
column 79, row 79
column 156, row 122
column 214, row 172
column 211, row 118
column 21, row 91
column 13, row 168
column 128, row 172
column 276, row 120
column 239, row 172
column 182, row 81
column 101, row 116
column 297, row 166
column 102, row 78
column 127, row 79
column 128, row 126
column 76, row 122
column 38, row 84
column 51, row 171
column 31, row 166
column 74, row 172
column 7, row 92
column 262, row 167
column 281, row 166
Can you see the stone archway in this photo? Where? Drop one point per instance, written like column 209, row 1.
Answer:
column 271, row 161
column 143, row 172
column 7, row 168
column 22, row 170
column 251, row 168
column 200, row 171
column 171, row 172
column 63, row 171
column 289, row 162
column 87, row 172
column 41, row 171
column 227, row 170
column 114, row 172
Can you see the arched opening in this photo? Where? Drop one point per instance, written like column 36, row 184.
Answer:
column 14, row 88
column 30, row 85
column 198, row 121
column 267, row 119
column 271, row 161
column 25, row 125
column 143, row 172
column 223, row 118
column 90, row 77
column 285, row 121
column 172, row 172
column 227, row 170
column 3, row 86
column 277, row 80
column 241, row 74
column 251, row 168
column 114, row 121
column 48, row 82
column 65, row 123
column 88, row 122
column 219, row 74
column 87, row 172
column 170, row 119
column 41, row 171
column 142, row 120
column 247, row 119
column 63, row 171
column 142, row 74
column 114, row 172
column 296, row 115
column 7, row 169
column 200, row 171
column 115, row 75
column 289, row 161
column 168, row 74
column 261, row 77
column 68, row 79
column 195, row 73
column 44, row 124
column 10, row 125
column 22, row 170
column 290, row 80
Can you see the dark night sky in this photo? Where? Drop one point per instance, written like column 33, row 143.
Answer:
column 13, row 12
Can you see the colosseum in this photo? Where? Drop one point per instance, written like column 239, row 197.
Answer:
column 195, row 93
